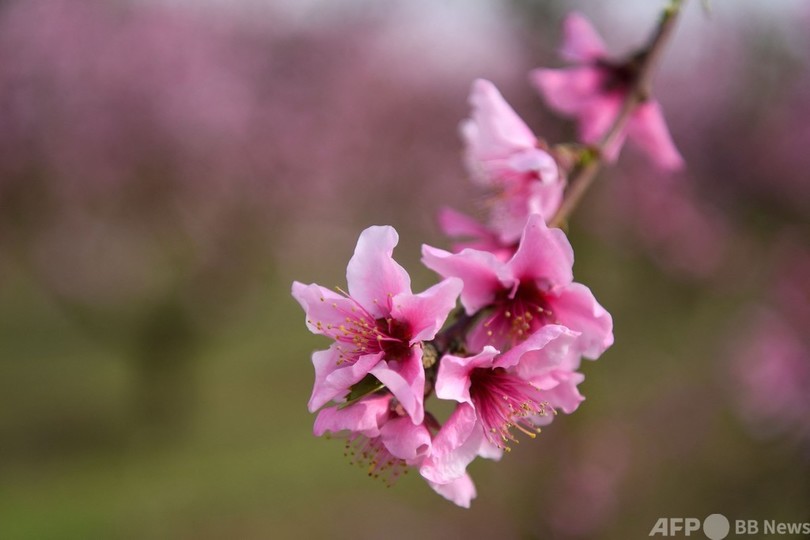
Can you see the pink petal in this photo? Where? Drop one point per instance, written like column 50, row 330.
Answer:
column 565, row 396
column 454, row 223
column 487, row 450
column 595, row 120
column 454, row 447
column 568, row 91
column 648, row 129
column 479, row 270
column 543, row 254
column 321, row 306
column 581, row 42
column 426, row 312
column 406, row 380
column 544, row 349
column 334, row 377
column 460, row 491
column 363, row 417
column 374, row 277
column 453, row 379
column 512, row 209
column 404, row 439
column 495, row 129
column 576, row 308
column 537, row 162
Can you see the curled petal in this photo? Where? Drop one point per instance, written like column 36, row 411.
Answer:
column 576, row 308
column 535, row 161
column 453, row 379
column 364, row 417
column 479, row 270
column 373, row 276
column 495, row 129
column 426, row 312
column 334, row 376
column 406, row 380
column 544, row 349
column 543, row 254
column 454, row 447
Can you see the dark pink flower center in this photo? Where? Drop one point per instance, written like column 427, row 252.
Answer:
column 504, row 401
column 515, row 318
column 616, row 76
column 394, row 338
column 363, row 334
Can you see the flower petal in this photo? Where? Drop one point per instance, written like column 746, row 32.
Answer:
column 544, row 349
column 363, row 417
column 373, row 276
column 325, row 309
column 453, row 379
column 454, row 223
column 479, row 270
column 454, row 447
column 648, row 129
column 404, row 439
column 427, row 311
column 576, row 308
column 565, row 395
column 596, row 119
column 495, row 129
column 543, row 254
column 568, row 91
column 581, row 42
column 406, row 380
column 334, row 376
column 460, row 491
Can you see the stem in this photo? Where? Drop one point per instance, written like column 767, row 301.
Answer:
column 638, row 93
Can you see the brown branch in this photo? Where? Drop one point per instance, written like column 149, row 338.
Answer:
column 639, row 92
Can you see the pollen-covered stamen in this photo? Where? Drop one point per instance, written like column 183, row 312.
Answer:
column 518, row 316
column 374, row 457
column 360, row 333
column 394, row 338
column 504, row 401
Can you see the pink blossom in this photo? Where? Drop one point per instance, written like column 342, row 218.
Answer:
column 497, row 392
column 532, row 289
column 378, row 325
column 593, row 91
column 473, row 234
column 384, row 441
column 379, row 436
column 504, row 155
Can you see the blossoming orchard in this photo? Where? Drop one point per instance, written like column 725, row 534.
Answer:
column 502, row 335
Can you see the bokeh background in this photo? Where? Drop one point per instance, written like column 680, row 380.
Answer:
column 167, row 168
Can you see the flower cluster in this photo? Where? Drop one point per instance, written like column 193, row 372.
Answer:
column 509, row 356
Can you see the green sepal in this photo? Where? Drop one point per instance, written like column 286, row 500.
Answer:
column 367, row 386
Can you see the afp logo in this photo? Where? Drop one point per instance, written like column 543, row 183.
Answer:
column 715, row 527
